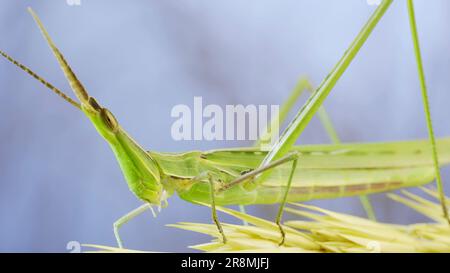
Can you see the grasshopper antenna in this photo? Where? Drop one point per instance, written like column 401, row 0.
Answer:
column 75, row 84
column 40, row 79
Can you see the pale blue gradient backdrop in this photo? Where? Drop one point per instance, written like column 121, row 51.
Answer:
column 59, row 180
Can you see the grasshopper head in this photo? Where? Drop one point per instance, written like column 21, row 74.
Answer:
column 141, row 171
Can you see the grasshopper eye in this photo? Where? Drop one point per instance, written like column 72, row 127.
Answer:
column 94, row 104
column 109, row 119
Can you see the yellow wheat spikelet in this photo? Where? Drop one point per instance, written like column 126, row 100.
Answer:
column 328, row 231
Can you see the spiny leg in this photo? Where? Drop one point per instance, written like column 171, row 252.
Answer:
column 126, row 218
column 426, row 106
column 283, row 202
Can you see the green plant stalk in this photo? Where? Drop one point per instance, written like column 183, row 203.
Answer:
column 296, row 127
column 426, row 105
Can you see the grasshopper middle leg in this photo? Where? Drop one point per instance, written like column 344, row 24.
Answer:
column 293, row 156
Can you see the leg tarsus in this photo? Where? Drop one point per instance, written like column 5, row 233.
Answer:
column 126, row 218
column 116, row 227
column 283, row 234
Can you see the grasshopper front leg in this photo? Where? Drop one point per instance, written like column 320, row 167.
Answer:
column 126, row 218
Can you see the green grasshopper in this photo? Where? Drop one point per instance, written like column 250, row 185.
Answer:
column 243, row 176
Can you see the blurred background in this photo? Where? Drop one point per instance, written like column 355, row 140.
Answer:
column 60, row 182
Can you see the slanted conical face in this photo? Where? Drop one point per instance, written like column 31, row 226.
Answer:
column 141, row 171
